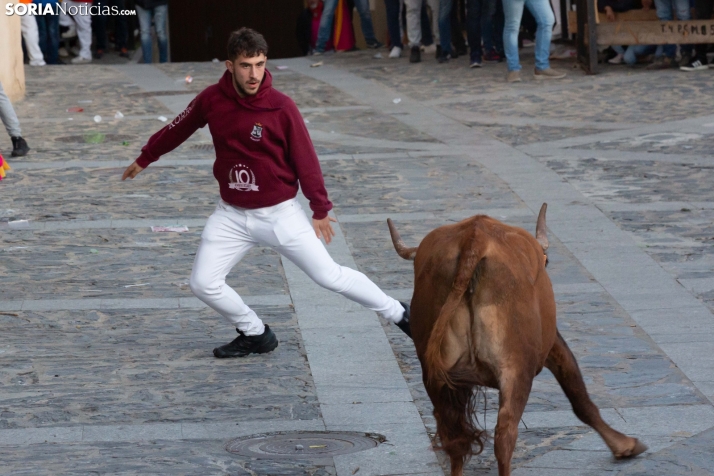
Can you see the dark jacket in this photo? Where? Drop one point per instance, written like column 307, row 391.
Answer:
column 149, row 4
column 619, row 5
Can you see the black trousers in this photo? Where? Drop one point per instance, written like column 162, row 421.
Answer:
column 703, row 10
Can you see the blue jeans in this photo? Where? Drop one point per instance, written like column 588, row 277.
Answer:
column 395, row 32
column 445, row 25
column 664, row 13
column 328, row 15
column 159, row 14
column 48, row 29
column 479, row 14
column 513, row 11
column 630, row 54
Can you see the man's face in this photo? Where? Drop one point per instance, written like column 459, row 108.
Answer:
column 247, row 73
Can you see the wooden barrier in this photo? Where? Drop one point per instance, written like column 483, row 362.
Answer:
column 655, row 32
column 635, row 27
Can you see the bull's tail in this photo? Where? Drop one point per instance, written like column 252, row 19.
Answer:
column 455, row 388
column 473, row 252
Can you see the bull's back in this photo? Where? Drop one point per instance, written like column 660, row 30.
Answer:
column 507, row 307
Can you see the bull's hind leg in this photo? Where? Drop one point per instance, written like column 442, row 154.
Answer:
column 565, row 368
column 513, row 396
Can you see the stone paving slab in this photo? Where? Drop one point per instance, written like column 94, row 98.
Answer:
column 145, row 367
column 119, row 264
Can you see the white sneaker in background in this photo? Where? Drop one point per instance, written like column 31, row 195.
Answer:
column 71, row 33
column 616, row 60
column 63, row 52
column 396, row 52
column 80, row 60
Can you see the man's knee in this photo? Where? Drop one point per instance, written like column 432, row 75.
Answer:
column 203, row 287
column 331, row 278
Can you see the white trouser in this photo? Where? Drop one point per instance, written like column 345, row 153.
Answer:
column 414, row 20
column 231, row 232
column 28, row 26
column 84, row 28
column 65, row 20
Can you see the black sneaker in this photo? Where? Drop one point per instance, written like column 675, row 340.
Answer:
column 244, row 345
column 444, row 58
column 19, row 147
column 374, row 46
column 438, row 52
column 475, row 62
column 404, row 323
column 695, row 64
column 415, row 55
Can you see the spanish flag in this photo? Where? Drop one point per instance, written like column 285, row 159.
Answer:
column 3, row 167
column 344, row 38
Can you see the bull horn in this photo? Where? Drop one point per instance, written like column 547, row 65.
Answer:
column 540, row 228
column 402, row 250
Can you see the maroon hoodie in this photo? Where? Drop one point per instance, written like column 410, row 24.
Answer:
column 262, row 146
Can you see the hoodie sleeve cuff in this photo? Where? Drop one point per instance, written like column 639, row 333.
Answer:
column 319, row 215
column 144, row 160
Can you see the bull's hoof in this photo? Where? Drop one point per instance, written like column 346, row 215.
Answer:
column 639, row 448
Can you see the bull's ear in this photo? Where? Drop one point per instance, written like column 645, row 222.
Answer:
column 540, row 228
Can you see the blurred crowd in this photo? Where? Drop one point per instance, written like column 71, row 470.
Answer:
column 77, row 33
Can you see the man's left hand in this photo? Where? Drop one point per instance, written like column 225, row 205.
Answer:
column 323, row 229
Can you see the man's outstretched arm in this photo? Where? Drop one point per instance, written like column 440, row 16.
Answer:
column 168, row 138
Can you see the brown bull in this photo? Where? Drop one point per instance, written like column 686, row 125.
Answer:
column 483, row 314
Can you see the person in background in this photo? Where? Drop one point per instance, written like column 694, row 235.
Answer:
column 445, row 30
column 609, row 8
column 83, row 22
column 120, row 28
column 703, row 10
column 327, row 19
column 28, row 26
column 665, row 12
column 543, row 13
column 48, row 30
column 12, row 125
column 158, row 10
column 478, row 13
column 492, row 33
column 392, row 8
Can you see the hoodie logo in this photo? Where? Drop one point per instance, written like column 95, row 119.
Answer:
column 257, row 133
column 241, row 178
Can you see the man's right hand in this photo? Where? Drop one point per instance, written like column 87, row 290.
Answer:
column 132, row 171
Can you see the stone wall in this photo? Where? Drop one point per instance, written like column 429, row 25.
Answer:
column 12, row 71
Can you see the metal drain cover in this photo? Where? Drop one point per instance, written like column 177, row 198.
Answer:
column 303, row 445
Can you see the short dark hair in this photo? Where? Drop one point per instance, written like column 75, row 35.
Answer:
column 246, row 42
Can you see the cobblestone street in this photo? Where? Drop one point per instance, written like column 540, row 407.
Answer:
column 106, row 354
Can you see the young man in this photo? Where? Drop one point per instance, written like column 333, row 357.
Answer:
column 263, row 150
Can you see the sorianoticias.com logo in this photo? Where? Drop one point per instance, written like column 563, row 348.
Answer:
column 23, row 9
